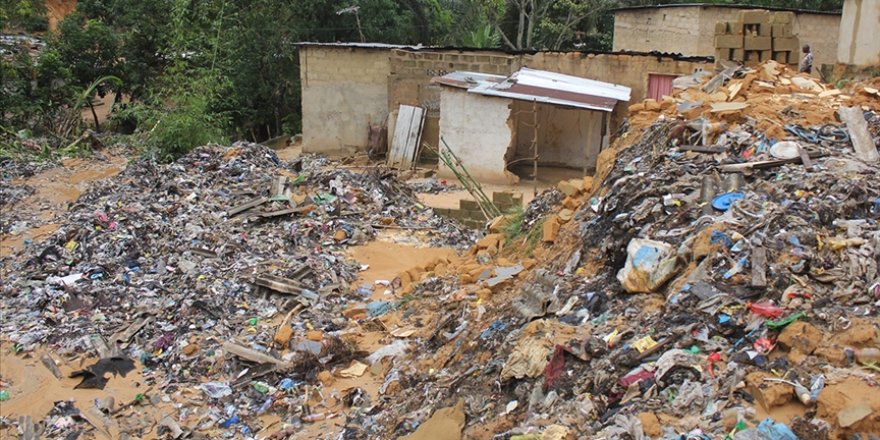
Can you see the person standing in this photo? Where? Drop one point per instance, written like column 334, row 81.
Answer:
column 807, row 62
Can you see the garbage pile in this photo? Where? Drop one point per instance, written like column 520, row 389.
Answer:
column 712, row 281
column 174, row 270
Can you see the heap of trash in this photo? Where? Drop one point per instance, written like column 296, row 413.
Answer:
column 177, row 271
column 717, row 278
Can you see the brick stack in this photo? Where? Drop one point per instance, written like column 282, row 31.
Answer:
column 758, row 35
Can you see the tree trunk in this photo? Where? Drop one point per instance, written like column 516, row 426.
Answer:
column 94, row 115
column 531, row 29
column 521, row 26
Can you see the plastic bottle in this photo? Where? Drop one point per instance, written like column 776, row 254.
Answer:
column 312, row 418
column 230, row 421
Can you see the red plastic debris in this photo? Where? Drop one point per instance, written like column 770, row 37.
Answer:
column 766, row 309
column 714, row 357
column 763, row 345
column 626, row 381
column 554, row 369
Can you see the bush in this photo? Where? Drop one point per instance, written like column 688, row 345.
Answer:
column 170, row 133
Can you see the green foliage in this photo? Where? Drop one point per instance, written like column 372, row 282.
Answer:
column 88, row 46
column 28, row 15
column 483, row 37
column 513, row 222
column 35, row 94
column 169, row 133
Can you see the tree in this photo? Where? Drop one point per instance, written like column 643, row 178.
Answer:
column 548, row 24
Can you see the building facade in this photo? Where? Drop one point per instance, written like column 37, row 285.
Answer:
column 346, row 87
column 689, row 29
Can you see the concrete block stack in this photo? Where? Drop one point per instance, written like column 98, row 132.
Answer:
column 758, row 35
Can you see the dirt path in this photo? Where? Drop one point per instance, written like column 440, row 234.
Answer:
column 55, row 189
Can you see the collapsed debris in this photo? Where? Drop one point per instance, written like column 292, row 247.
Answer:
column 718, row 274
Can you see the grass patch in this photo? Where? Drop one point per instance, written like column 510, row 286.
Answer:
column 513, row 222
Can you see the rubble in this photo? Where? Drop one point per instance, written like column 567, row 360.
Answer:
column 177, row 269
column 755, row 267
column 769, row 284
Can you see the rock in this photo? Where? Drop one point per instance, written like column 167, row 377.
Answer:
column 852, row 414
column 498, row 223
column 326, row 377
column 190, row 349
column 355, row 310
column 570, row 203
column 768, row 394
column 833, row 354
column 551, row 229
column 801, row 338
column 565, row 215
column 635, row 108
column 649, row 264
column 650, row 424
column 570, row 187
column 587, row 184
column 444, row 424
column 860, row 333
column 283, row 335
column 490, row 241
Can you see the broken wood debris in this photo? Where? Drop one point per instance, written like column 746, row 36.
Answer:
column 253, row 355
column 245, row 206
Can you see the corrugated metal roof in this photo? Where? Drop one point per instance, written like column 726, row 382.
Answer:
column 466, row 80
column 360, row 45
column 541, row 86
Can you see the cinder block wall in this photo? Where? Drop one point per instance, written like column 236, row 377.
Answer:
column 671, row 30
column 859, row 40
column 820, row 31
column 689, row 30
column 411, row 73
column 344, row 90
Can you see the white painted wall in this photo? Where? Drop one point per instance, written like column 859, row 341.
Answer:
column 566, row 137
column 858, row 42
column 477, row 129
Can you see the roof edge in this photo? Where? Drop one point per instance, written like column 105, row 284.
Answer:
column 731, row 6
column 383, row 46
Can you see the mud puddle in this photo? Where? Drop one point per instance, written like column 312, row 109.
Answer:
column 387, row 256
column 54, row 190
column 33, row 391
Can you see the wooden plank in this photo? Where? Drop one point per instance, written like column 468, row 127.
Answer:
column 252, row 355
column 858, row 132
column 401, row 130
column 805, row 158
column 759, row 267
column 407, row 134
column 701, row 149
column 413, row 137
column 245, row 206
column 748, row 166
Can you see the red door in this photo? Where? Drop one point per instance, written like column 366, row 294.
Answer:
column 659, row 85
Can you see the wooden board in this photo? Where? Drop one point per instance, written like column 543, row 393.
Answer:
column 858, row 132
column 407, row 136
